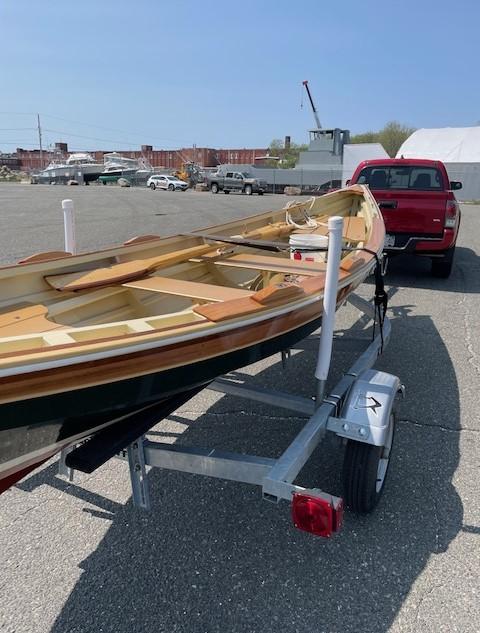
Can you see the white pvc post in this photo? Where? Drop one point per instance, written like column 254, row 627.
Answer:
column 335, row 229
column 69, row 226
column 70, row 247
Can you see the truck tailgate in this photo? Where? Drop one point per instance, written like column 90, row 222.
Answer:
column 413, row 212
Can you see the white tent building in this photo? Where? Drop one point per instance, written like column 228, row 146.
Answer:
column 457, row 147
column 355, row 153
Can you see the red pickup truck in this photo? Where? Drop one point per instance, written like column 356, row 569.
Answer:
column 418, row 206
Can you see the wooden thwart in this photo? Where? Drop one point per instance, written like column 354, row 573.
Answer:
column 193, row 289
column 270, row 264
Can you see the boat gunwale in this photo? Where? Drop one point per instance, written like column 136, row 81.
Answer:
column 116, row 250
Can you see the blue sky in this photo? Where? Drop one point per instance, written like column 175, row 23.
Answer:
column 113, row 74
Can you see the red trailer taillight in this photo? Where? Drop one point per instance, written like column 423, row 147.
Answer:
column 316, row 515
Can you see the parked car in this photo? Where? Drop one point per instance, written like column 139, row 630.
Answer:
column 164, row 181
column 418, row 205
column 236, row 181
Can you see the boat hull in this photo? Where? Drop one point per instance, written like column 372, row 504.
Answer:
column 65, row 173
column 34, row 429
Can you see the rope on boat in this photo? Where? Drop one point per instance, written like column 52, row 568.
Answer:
column 309, row 222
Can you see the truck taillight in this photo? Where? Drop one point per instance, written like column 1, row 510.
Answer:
column 451, row 212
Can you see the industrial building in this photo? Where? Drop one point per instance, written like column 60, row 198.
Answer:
column 32, row 160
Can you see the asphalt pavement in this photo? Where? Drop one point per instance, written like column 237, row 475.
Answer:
column 212, row 556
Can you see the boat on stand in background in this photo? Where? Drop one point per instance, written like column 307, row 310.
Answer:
column 80, row 167
column 87, row 339
column 136, row 170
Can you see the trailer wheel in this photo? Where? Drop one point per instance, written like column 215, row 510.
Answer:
column 365, row 470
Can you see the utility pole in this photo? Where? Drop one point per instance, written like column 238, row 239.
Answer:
column 40, row 141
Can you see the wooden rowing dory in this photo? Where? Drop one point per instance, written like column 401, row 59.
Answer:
column 88, row 338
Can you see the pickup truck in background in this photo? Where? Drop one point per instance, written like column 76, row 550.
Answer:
column 236, row 181
column 419, row 208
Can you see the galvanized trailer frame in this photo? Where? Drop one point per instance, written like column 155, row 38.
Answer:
column 344, row 416
column 360, row 408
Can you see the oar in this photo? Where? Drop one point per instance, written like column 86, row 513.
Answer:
column 127, row 271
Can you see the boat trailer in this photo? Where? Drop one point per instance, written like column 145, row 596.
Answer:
column 360, row 409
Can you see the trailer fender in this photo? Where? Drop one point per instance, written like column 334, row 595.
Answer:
column 365, row 415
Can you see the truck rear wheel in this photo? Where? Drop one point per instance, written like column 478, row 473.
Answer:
column 214, row 187
column 443, row 267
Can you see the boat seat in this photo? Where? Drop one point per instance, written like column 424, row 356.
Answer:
column 193, row 289
column 27, row 319
column 270, row 264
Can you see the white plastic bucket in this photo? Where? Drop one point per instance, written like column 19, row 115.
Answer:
column 299, row 240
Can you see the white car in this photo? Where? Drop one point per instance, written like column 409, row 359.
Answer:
column 163, row 181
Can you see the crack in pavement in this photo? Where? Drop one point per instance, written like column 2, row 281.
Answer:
column 424, row 596
column 472, row 359
column 440, row 427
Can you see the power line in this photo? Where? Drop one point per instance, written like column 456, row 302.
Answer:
column 111, row 129
column 100, row 127
column 91, row 138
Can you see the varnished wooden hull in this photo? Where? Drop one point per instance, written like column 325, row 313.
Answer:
column 66, row 417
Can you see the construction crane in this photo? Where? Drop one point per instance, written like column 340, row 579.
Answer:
column 317, row 120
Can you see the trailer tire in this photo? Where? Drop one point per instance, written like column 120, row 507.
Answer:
column 365, row 469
